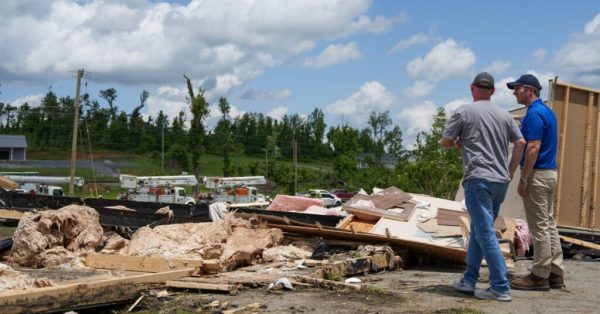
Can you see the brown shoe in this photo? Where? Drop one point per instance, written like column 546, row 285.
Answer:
column 530, row 282
column 556, row 281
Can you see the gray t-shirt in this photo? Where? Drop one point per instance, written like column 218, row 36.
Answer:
column 485, row 131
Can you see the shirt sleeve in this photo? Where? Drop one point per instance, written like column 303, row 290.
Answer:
column 515, row 133
column 453, row 126
column 533, row 127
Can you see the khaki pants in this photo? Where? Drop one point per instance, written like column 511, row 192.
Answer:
column 539, row 210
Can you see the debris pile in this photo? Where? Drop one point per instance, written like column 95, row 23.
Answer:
column 233, row 241
column 54, row 237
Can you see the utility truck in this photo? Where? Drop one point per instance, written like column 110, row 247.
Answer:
column 157, row 189
column 43, row 185
column 235, row 190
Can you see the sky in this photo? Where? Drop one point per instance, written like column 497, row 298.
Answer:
column 276, row 57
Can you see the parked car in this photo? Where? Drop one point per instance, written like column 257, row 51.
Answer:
column 343, row 194
column 328, row 198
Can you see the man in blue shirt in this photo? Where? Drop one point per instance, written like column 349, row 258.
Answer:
column 537, row 185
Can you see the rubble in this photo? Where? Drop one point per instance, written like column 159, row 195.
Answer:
column 51, row 238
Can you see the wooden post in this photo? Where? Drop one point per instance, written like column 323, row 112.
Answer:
column 596, row 162
column 561, row 152
column 583, row 210
column 74, row 139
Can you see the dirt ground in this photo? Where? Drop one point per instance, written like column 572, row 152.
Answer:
column 419, row 290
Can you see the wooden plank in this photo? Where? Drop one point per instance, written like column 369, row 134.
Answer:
column 344, row 223
column 561, row 151
column 456, row 255
column 379, row 213
column 79, row 295
column 147, row 264
column 10, row 214
column 583, row 210
column 583, row 243
column 449, row 217
column 202, row 286
column 595, row 170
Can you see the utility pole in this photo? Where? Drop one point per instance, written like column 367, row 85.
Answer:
column 162, row 154
column 75, row 124
column 295, row 153
column 266, row 163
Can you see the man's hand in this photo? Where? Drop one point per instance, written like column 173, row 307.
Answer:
column 522, row 189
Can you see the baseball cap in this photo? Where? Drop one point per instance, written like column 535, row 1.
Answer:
column 525, row 79
column 484, row 80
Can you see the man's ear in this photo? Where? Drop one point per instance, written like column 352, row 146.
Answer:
column 493, row 90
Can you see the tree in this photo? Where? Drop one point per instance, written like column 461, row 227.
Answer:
column 223, row 133
column 199, row 109
column 393, row 142
column 435, row 171
column 110, row 95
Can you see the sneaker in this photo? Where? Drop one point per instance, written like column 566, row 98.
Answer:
column 556, row 281
column 530, row 282
column 489, row 294
column 460, row 285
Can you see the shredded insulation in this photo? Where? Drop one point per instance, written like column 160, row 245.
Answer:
column 54, row 237
column 11, row 279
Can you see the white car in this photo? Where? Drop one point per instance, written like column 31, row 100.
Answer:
column 329, row 200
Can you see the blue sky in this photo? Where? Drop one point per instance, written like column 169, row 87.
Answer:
column 347, row 57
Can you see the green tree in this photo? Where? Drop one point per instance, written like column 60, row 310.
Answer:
column 432, row 170
column 199, row 109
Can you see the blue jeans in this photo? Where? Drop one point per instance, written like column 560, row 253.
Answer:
column 483, row 201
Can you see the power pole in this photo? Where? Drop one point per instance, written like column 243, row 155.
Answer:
column 295, row 153
column 266, row 163
column 162, row 154
column 74, row 140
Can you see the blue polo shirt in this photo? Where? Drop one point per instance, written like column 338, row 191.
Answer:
column 540, row 124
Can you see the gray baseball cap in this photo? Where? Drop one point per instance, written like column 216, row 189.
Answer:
column 484, row 80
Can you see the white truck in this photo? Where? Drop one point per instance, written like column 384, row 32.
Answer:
column 43, row 185
column 157, row 189
column 236, row 190
column 329, row 199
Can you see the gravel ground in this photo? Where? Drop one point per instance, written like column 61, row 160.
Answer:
column 420, row 290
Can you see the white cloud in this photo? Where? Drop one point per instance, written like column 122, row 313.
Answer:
column 253, row 94
column 592, row 26
column 498, row 66
column 143, row 41
column 540, row 53
column 277, row 112
column 578, row 60
column 416, row 119
column 447, row 59
column 452, row 105
column 418, row 39
column 419, row 89
column 334, row 54
column 372, row 96
column 32, row 100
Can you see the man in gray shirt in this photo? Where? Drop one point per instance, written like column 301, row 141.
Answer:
column 483, row 132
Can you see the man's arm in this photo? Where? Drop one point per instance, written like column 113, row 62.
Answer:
column 531, row 155
column 446, row 142
column 517, row 153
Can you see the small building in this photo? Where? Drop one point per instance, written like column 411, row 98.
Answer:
column 13, row 147
column 386, row 160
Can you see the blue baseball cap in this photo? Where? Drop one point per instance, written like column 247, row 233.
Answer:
column 525, row 79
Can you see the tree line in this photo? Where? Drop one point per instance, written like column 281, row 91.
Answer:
column 427, row 169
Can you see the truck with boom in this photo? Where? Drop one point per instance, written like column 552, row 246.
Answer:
column 157, row 189
column 43, row 185
column 236, row 190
